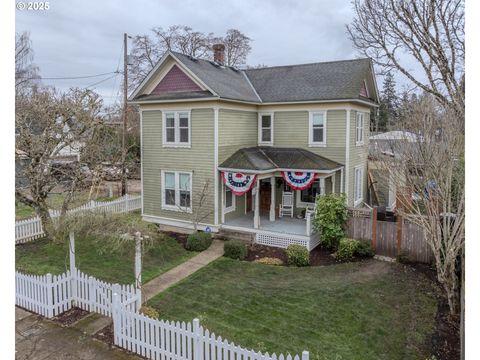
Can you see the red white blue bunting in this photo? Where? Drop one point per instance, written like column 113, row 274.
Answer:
column 298, row 180
column 237, row 182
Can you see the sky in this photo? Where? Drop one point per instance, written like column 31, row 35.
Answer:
column 77, row 38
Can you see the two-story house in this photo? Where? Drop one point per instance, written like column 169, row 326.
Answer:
column 248, row 150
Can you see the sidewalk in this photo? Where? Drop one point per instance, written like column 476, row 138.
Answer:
column 180, row 272
column 37, row 338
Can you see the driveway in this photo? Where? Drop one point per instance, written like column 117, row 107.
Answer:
column 37, row 338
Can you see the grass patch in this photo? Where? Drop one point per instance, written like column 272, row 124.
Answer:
column 43, row 256
column 361, row 310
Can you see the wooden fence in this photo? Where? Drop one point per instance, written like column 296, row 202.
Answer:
column 390, row 239
column 31, row 229
column 159, row 339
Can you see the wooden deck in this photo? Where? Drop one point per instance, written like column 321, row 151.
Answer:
column 283, row 225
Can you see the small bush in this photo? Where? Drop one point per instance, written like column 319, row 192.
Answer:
column 235, row 249
column 150, row 312
column 346, row 249
column 330, row 219
column 364, row 249
column 269, row 261
column 298, row 255
column 198, row 241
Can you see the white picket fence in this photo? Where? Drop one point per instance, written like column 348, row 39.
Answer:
column 31, row 229
column 158, row 339
column 50, row 295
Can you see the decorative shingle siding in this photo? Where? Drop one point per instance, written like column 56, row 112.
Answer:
column 174, row 81
column 198, row 159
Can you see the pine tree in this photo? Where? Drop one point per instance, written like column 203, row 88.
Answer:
column 389, row 104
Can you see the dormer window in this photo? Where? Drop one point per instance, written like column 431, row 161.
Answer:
column 265, row 129
column 176, row 129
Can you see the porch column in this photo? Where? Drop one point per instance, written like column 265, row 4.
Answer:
column 256, row 214
column 222, row 204
column 322, row 186
column 341, row 181
column 333, row 182
column 272, row 198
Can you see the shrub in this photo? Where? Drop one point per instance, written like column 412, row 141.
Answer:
column 235, row 249
column 150, row 312
column 198, row 241
column 346, row 249
column 269, row 261
column 330, row 218
column 298, row 255
column 364, row 249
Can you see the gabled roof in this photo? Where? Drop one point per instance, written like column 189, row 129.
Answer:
column 327, row 81
column 265, row 158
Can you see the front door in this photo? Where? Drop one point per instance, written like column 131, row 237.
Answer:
column 249, row 205
column 265, row 197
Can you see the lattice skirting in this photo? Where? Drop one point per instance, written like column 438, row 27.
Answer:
column 283, row 241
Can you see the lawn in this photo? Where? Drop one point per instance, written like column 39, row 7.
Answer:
column 43, row 256
column 361, row 310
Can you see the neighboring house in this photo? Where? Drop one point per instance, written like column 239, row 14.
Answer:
column 242, row 133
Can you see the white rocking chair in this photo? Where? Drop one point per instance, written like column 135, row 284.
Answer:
column 286, row 207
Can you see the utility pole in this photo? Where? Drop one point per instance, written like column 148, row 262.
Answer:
column 124, row 133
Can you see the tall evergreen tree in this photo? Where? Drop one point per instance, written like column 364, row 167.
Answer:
column 389, row 104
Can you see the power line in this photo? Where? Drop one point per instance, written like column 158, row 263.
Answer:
column 101, row 81
column 73, row 77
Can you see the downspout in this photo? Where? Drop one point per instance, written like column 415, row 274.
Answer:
column 347, row 153
column 215, row 163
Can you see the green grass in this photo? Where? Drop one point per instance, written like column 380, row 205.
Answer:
column 43, row 256
column 362, row 310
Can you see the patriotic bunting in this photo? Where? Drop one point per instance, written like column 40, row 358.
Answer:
column 298, row 180
column 237, row 182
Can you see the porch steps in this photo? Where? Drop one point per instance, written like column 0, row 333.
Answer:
column 227, row 234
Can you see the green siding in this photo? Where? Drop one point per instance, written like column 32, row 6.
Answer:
column 236, row 129
column 358, row 156
column 198, row 159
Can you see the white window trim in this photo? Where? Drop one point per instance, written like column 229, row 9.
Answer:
column 226, row 209
column 177, row 143
column 357, row 117
column 176, row 207
column 260, row 142
column 358, row 201
column 312, row 143
column 301, row 204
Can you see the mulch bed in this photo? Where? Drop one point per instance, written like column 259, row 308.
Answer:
column 181, row 238
column 445, row 342
column 105, row 335
column 71, row 316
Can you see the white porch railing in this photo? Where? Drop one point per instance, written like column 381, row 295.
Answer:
column 31, row 229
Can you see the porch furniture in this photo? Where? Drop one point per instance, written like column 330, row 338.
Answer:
column 286, row 207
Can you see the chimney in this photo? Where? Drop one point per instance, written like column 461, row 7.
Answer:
column 219, row 53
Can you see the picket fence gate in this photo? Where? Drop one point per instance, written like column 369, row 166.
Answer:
column 159, row 339
column 50, row 295
column 31, row 229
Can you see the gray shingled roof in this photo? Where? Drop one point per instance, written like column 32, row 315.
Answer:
column 319, row 81
column 227, row 82
column 176, row 95
column 265, row 158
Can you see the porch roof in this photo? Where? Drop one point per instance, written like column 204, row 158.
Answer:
column 260, row 159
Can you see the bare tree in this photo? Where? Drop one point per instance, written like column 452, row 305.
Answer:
column 399, row 33
column 26, row 72
column 48, row 123
column 148, row 50
column 427, row 169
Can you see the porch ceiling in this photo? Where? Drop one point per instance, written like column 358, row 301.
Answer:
column 266, row 158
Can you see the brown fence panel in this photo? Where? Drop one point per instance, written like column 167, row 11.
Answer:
column 359, row 228
column 386, row 239
column 414, row 244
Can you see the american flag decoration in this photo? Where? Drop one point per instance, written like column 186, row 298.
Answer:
column 298, row 180
column 237, row 182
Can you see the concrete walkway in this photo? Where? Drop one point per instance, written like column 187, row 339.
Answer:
column 37, row 338
column 183, row 270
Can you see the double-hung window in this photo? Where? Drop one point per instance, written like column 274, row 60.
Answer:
column 358, row 185
column 265, row 129
column 176, row 128
column 359, row 128
column 177, row 190
column 229, row 201
column 317, row 128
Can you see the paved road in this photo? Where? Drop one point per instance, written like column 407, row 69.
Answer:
column 37, row 338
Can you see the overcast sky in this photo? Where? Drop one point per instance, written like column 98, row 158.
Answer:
column 84, row 37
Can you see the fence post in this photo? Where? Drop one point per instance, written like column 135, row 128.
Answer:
column 305, row 355
column 49, row 296
column 399, row 234
column 115, row 313
column 91, row 294
column 126, row 202
column 374, row 228
column 138, row 261
column 73, row 268
column 196, row 340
